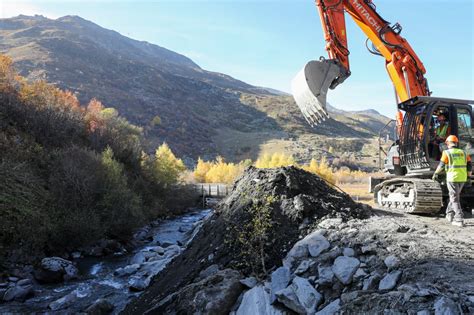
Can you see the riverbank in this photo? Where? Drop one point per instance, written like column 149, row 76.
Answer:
column 108, row 276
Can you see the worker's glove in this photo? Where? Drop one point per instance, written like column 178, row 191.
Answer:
column 435, row 177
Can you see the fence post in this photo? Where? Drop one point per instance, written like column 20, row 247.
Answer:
column 210, row 191
column 218, row 195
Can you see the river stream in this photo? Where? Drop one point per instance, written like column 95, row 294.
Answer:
column 115, row 278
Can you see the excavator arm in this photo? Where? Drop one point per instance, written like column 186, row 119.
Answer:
column 404, row 67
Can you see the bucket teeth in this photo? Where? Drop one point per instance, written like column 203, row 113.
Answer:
column 310, row 87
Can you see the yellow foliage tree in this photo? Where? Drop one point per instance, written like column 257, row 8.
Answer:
column 219, row 171
column 201, row 169
column 322, row 169
column 167, row 167
column 274, row 160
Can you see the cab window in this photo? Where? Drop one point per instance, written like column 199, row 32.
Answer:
column 465, row 131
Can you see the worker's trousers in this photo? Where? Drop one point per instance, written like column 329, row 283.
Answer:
column 455, row 200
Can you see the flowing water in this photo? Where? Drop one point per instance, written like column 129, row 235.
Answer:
column 98, row 275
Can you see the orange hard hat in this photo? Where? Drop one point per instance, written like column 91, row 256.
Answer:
column 452, row 138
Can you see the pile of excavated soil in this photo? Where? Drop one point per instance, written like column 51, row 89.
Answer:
column 286, row 203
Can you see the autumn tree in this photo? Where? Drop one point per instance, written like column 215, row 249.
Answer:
column 167, row 167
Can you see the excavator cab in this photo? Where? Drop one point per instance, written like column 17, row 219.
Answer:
column 420, row 144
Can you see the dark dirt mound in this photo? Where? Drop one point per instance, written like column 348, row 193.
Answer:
column 267, row 211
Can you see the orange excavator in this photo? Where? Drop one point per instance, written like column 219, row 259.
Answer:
column 414, row 155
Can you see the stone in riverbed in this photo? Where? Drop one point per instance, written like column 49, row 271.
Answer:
column 18, row 292
column 138, row 283
column 390, row 280
column 100, row 307
column 279, row 280
column 23, row 282
column 56, row 269
column 138, row 258
column 257, row 301
column 127, row 270
column 344, row 268
column 64, row 302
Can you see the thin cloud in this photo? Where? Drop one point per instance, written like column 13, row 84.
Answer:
column 15, row 8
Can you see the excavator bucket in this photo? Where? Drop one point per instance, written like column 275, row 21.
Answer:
column 310, row 87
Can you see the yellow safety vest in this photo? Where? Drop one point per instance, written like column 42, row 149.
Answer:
column 456, row 170
column 442, row 131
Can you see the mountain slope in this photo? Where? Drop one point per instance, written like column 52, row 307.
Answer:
column 195, row 107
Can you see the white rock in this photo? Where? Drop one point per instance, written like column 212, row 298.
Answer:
column 314, row 244
column 390, row 280
column 392, row 262
column 307, row 295
column 317, row 244
column 303, row 267
column 330, row 223
column 257, row 301
column 300, row 296
column 344, row 268
column 349, row 252
column 279, row 280
column 446, row 306
column 331, row 309
column 326, row 275
column 423, row 312
column 288, row 298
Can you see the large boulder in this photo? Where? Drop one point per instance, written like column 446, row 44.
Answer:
column 300, row 296
column 55, row 269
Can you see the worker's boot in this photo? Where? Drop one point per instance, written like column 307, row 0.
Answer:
column 450, row 217
column 459, row 223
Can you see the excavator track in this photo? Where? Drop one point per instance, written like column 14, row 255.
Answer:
column 411, row 195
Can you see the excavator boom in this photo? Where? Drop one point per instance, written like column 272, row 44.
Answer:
column 405, row 69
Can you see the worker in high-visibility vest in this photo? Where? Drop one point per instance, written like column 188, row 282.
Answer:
column 443, row 129
column 441, row 133
column 458, row 167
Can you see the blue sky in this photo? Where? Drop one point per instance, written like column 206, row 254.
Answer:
column 267, row 42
